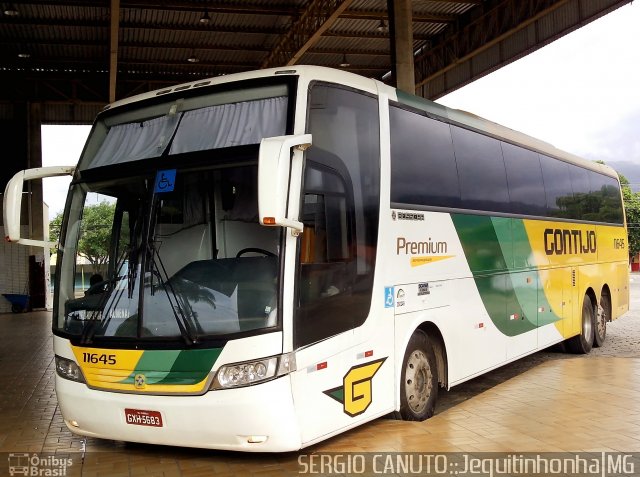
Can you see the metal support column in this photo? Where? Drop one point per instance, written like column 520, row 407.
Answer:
column 34, row 159
column 38, row 257
column 401, row 24
column 113, row 48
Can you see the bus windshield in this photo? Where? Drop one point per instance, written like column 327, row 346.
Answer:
column 138, row 263
column 161, row 239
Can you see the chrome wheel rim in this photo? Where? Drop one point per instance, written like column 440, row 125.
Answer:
column 586, row 325
column 601, row 321
column 418, row 381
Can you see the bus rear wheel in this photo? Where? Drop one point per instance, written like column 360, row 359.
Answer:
column 419, row 379
column 582, row 343
column 603, row 315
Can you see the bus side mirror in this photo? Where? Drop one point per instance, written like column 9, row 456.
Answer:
column 276, row 182
column 13, row 201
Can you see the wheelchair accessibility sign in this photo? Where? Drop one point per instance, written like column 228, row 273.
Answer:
column 388, row 297
column 165, row 181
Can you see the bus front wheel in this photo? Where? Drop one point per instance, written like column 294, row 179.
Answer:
column 582, row 343
column 419, row 379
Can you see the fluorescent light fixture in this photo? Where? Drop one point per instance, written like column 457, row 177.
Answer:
column 205, row 18
column 11, row 11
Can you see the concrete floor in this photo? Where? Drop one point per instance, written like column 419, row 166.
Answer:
column 548, row 402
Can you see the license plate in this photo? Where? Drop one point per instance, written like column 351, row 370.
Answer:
column 139, row 417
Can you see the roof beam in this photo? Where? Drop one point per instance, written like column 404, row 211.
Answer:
column 38, row 22
column 63, row 64
column 479, row 35
column 456, row 58
column 113, row 48
column 372, row 36
column 466, row 2
column 383, row 15
column 188, row 46
column 129, row 66
column 209, row 28
column 237, row 8
column 318, row 17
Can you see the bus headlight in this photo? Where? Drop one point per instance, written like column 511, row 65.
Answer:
column 68, row 369
column 253, row 372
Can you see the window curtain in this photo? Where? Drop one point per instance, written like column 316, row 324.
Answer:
column 135, row 141
column 213, row 127
column 234, row 124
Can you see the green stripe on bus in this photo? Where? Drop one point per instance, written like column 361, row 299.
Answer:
column 522, row 253
column 192, row 366
column 154, row 364
column 496, row 249
column 174, row 366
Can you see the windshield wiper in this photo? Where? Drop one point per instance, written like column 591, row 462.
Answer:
column 176, row 300
column 99, row 315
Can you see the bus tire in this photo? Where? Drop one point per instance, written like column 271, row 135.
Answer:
column 419, row 379
column 582, row 343
column 603, row 315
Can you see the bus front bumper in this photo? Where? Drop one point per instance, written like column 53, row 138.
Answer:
column 259, row 418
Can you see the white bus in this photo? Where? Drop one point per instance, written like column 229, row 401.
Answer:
column 293, row 252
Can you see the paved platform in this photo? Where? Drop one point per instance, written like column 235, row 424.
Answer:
column 548, row 402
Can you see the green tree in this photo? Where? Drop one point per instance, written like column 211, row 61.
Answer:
column 54, row 229
column 632, row 213
column 95, row 234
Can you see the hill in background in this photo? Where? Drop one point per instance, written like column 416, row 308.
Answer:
column 630, row 170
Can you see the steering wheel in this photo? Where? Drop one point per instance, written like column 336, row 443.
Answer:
column 255, row 250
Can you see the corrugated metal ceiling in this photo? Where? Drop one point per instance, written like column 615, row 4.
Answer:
column 159, row 37
column 58, row 51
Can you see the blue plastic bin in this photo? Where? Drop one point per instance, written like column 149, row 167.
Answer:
column 18, row 302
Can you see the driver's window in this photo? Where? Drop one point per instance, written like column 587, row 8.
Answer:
column 324, row 246
column 124, row 240
column 94, row 241
column 327, row 264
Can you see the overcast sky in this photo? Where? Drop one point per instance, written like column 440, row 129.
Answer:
column 581, row 93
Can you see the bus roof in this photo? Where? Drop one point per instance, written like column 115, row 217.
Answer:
column 356, row 81
column 499, row 131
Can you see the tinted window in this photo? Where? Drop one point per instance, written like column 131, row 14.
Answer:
column 557, row 186
column 584, row 205
column 524, row 177
column 423, row 168
column 606, row 192
column 340, row 214
column 483, row 181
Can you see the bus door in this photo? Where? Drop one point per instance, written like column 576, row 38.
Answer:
column 333, row 299
column 335, row 264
